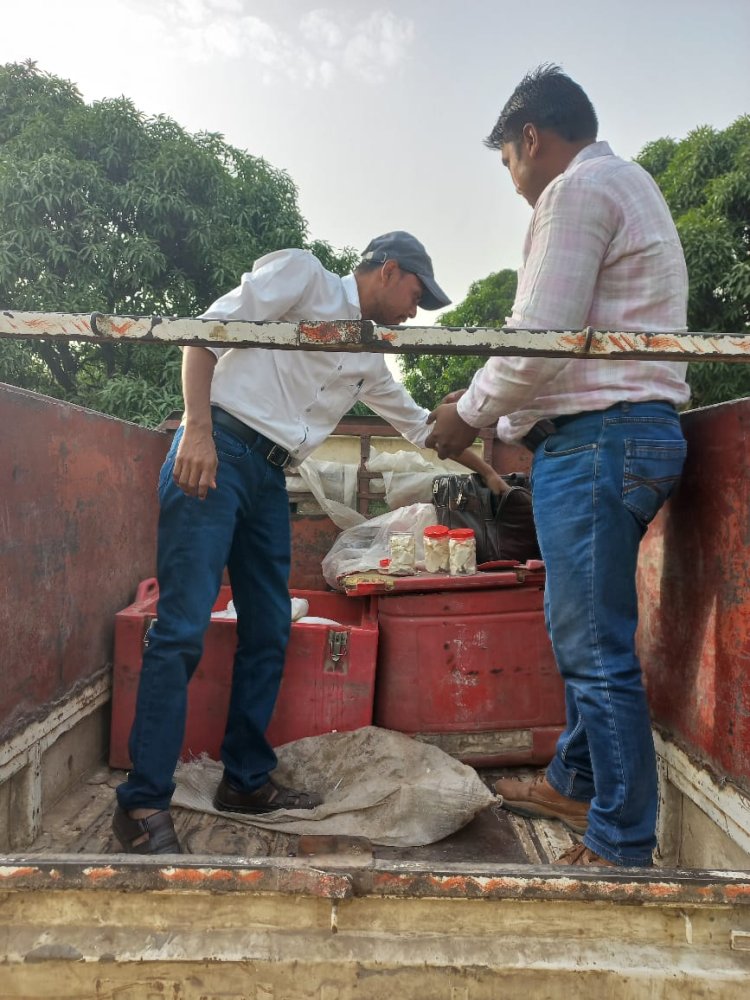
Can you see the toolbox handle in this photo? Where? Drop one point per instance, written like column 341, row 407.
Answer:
column 147, row 590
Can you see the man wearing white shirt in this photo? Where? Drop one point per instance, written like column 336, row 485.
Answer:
column 249, row 413
column 601, row 251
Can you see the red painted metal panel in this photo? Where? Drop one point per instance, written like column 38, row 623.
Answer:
column 326, row 686
column 312, row 538
column 78, row 509
column 694, row 580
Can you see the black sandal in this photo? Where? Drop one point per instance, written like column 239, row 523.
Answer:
column 152, row 835
column 268, row 798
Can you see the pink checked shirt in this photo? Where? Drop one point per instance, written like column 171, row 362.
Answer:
column 601, row 251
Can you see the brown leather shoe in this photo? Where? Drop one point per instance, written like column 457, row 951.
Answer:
column 538, row 798
column 153, row 835
column 268, row 798
column 581, row 855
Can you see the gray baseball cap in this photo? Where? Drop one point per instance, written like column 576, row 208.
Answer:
column 411, row 256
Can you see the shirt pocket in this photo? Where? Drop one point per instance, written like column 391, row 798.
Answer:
column 651, row 470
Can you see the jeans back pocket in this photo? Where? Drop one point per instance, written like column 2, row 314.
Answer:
column 652, row 467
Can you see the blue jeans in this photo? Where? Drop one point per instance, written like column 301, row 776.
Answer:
column 244, row 525
column 597, row 483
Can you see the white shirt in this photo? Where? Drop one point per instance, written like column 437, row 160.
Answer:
column 601, row 251
column 296, row 397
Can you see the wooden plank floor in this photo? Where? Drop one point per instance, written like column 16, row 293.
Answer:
column 81, row 824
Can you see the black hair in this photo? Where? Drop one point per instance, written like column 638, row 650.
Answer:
column 365, row 266
column 549, row 99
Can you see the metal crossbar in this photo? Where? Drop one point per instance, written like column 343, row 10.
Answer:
column 364, row 335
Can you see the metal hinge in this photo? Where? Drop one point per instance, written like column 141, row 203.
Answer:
column 338, row 648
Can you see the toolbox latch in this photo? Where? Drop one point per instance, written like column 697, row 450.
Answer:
column 150, row 622
column 338, row 649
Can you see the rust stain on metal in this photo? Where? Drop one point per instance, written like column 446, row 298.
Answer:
column 112, row 326
column 250, row 877
column 473, row 885
column 330, row 333
column 216, row 331
column 620, row 341
column 738, row 892
column 575, row 341
column 320, row 883
column 13, row 871
column 99, row 874
column 121, row 329
column 196, row 876
column 663, row 342
column 617, row 888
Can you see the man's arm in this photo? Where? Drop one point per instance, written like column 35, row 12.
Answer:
column 391, row 401
column 492, row 479
column 572, row 229
column 196, row 462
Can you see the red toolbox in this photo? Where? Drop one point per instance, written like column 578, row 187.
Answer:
column 466, row 663
column 328, row 682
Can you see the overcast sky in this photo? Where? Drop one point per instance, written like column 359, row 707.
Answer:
column 378, row 109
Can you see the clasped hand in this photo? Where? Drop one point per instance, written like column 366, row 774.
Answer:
column 450, row 434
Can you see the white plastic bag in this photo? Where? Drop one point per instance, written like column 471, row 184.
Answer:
column 334, row 486
column 408, row 475
column 361, row 547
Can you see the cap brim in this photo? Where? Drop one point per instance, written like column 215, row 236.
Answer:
column 433, row 296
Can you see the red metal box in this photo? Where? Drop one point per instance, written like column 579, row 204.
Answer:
column 468, row 665
column 328, row 682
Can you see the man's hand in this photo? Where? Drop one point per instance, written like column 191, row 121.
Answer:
column 494, row 482
column 451, row 435
column 196, row 462
column 452, row 397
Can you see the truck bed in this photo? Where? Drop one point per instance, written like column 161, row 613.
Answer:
column 250, row 914
column 81, row 824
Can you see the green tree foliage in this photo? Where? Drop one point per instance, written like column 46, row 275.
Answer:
column 488, row 302
column 105, row 209
column 705, row 179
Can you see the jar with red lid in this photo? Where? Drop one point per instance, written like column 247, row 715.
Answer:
column 435, row 539
column 462, row 552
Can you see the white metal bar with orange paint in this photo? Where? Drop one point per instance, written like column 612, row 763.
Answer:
column 363, row 335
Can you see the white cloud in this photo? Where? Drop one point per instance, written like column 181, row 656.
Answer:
column 321, row 28
column 320, row 47
column 379, row 44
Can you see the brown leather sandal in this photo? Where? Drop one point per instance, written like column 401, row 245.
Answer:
column 268, row 798
column 152, row 835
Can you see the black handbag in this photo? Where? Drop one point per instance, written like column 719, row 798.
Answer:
column 503, row 525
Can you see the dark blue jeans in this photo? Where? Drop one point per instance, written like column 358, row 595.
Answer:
column 597, row 483
column 244, row 525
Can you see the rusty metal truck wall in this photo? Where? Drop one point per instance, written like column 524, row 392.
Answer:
column 694, row 579
column 78, row 506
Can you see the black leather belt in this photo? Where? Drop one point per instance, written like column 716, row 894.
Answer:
column 541, row 430
column 272, row 452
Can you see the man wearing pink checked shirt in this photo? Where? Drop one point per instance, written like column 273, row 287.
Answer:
column 601, row 251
